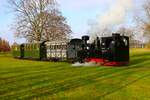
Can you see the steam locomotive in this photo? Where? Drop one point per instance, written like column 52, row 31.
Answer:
column 109, row 51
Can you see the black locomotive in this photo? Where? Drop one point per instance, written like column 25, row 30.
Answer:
column 115, row 50
column 111, row 51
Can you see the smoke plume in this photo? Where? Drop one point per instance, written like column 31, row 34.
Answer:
column 114, row 16
column 87, row 64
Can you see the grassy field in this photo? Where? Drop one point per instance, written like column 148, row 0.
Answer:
column 22, row 79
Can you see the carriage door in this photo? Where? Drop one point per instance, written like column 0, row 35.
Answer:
column 43, row 51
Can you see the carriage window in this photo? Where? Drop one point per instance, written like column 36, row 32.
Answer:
column 56, row 46
column 62, row 47
column 53, row 47
column 59, row 47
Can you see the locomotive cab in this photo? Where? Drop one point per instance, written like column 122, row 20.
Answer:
column 115, row 50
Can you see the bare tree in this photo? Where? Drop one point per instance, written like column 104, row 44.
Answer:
column 34, row 17
column 57, row 24
column 143, row 17
column 147, row 17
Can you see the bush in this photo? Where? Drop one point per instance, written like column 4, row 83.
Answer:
column 4, row 46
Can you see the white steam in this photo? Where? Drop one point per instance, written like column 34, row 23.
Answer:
column 86, row 64
column 114, row 16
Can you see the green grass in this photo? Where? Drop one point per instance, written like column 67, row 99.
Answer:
column 23, row 79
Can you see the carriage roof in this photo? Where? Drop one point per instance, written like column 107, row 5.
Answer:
column 56, row 43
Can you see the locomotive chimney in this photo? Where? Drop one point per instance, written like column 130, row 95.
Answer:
column 85, row 39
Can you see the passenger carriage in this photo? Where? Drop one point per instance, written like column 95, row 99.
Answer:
column 56, row 50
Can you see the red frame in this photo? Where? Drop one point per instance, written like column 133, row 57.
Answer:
column 105, row 62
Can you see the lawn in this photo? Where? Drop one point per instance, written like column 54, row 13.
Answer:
column 23, row 79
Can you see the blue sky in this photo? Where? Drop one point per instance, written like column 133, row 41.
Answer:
column 78, row 14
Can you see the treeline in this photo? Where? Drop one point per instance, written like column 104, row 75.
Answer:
column 4, row 45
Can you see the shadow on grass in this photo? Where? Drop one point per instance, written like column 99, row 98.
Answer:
column 123, row 86
column 139, row 54
column 90, row 79
column 137, row 61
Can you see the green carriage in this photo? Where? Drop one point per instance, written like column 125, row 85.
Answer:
column 29, row 51
column 35, row 51
column 18, row 51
